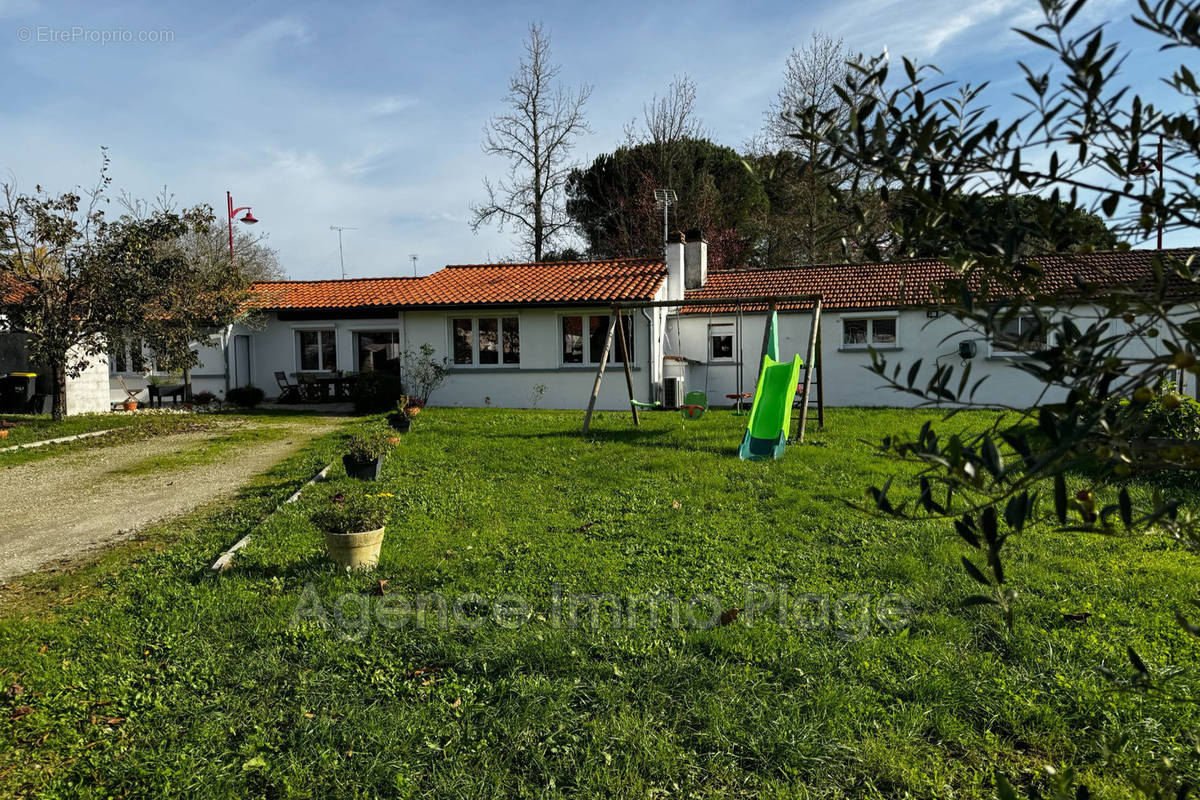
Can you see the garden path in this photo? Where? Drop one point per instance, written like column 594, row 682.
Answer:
column 59, row 507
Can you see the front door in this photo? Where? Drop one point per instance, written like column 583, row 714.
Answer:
column 241, row 360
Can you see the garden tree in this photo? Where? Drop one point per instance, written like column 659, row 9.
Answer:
column 804, row 225
column 75, row 277
column 192, row 290
column 1066, row 227
column 255, row 259
column 612, row 201
column 1080, row 141
column 536, row 136
column 667, row 123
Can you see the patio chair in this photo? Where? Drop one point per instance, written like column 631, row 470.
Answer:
column 288, row 392
column 309, row 389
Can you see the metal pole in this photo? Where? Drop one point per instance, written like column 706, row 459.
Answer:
column 1161, row 177
column 341, row 258
column 229, row 217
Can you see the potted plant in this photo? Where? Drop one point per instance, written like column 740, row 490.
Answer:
column 401, row 418
column 364, row 454
column 353, row 523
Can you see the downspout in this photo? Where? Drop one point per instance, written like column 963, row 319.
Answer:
column 403, row 348
column 225, row 337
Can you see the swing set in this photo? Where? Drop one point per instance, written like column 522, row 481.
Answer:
column 695, row 402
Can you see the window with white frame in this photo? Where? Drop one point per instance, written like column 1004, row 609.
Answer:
column 132, row 357
column 486, row 341
column 720, row 342
column 378, row 351
column 317, row 350
column 867, row 332
column 583, row 338
column 1018, row 335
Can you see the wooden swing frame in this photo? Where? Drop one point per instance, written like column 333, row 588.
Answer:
column 772, row 302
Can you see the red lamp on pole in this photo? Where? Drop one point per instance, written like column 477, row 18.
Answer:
column 249, row 219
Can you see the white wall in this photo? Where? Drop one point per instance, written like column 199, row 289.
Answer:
column 847, row 379
column 848, row 382
column 567, row 386
column 274, row 347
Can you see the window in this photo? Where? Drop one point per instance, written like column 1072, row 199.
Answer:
column 1017, row 335
column 578, row 348
column 720, row 341
column 572, row 352
column 870, row 332
column 464, row 340
column 318, row 351
column 132, row 358
column 378, row 351
column 510, row 339
column 487, row 341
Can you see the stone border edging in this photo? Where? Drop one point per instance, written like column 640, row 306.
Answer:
column 59, row 440
column 225, row 560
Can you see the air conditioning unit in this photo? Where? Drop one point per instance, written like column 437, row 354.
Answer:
column 674, row 390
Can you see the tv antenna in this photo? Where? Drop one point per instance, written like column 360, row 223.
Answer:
column 664, row 198
column 413, row 258
column 341, row 257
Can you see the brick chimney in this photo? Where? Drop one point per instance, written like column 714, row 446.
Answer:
column 695, row 260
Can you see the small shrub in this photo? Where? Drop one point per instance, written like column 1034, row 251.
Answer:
column 425, row 372
column 1167, row 414
column 245, row 396
column 376, row 391
column 204, row 398
column 342, row 507
column 369, row 445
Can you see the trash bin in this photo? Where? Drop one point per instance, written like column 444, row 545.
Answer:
column 17, row 391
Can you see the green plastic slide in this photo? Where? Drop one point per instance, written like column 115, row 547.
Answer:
column 767, row 428
column 766, row 431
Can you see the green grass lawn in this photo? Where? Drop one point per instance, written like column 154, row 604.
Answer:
column 26, row 428
column 128, row 427
column 142, row 675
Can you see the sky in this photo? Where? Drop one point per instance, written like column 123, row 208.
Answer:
column 370, row 115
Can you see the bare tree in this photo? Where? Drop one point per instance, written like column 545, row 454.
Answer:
column 669, row 119
column 806, row 225
column 666, row 123
column 811, row 78
column 536, row 136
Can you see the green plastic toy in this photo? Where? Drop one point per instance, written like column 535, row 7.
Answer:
column 766, row 430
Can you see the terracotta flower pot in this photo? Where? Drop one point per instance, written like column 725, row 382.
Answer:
column 355, row 550
column 413, row 410
column 131, row 405
column 3, row 434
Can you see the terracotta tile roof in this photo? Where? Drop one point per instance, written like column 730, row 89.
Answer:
column 11, row 291
column 910, row 283
column 318, row 295
column 559, row 283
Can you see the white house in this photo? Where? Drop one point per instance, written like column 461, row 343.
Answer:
column 524, row 334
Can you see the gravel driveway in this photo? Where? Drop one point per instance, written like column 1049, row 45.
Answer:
column 62, row 506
